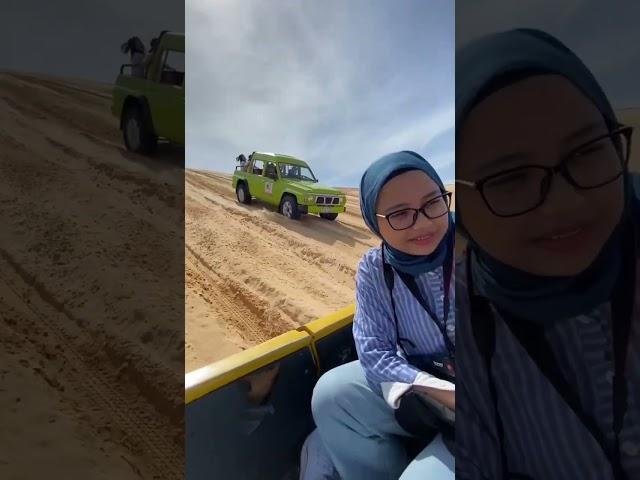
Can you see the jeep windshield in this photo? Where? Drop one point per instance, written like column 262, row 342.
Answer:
column 296, row 172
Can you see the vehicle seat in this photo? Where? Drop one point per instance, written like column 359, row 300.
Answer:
column 172, row 77
column 270, row 171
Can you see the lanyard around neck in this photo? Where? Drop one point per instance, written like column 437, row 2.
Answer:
column 533, row 339
column 412, row 285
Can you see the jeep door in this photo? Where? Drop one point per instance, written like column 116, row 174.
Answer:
column 271, row 183
column 166, row 95
column 280, row 185
column 256, row 179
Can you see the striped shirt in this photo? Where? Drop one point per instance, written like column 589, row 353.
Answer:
column 374, row 327
column 543, row 438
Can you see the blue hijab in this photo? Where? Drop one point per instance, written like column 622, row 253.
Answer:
column 374, row 178
column 483, row 67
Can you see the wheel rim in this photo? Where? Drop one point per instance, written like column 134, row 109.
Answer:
column 287, row 209
column 241, row 194
column 133, row 133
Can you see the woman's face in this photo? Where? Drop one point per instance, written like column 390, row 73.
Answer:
column 538, row 121
column 412, row 189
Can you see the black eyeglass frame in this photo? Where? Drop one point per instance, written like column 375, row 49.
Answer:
column 561, row 168
column 445, row 195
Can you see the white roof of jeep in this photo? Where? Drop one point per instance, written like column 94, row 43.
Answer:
column 282, row 155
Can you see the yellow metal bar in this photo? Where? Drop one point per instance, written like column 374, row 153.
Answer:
column 218, row 374
column 207, row 379
column 325, row 326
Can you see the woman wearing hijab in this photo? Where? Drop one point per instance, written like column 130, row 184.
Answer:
column 548, row 364
column 404, row 202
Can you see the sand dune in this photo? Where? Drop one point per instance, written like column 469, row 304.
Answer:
column 252, row 274
column 82, row 376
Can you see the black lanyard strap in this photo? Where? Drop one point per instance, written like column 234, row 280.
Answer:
column 484, row 333
column 534, row 341
column 537, row 345
column 412, row 285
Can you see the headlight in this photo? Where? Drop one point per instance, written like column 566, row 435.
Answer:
column 310, row 199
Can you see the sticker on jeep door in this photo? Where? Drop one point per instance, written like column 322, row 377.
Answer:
column 268, row 188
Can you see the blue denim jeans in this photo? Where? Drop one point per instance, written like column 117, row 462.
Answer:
column 363, row 438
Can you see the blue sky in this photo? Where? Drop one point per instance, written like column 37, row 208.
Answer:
column 336, row 83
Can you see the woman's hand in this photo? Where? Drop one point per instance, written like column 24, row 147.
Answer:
column 447, row 398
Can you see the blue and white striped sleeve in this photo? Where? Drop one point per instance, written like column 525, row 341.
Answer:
column 374, row 331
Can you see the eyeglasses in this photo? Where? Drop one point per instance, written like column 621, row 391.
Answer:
column 593, row 164
column 407, row 217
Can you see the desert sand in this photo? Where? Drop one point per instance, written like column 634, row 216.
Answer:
column 252, row 274
column 90, row 347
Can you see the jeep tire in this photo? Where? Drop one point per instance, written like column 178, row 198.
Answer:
column 137, row 132
column 242, row 193
column 289, row 207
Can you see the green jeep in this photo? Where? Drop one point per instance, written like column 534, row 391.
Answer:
column 151, row 106
column 287, row 183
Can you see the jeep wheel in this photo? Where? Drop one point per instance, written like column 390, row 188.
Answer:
column 137, row 134
column 289, row 208
column 242, row 192
column 329, row 216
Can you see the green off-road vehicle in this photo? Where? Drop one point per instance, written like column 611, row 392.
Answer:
column 151, row 105
column 287, row 183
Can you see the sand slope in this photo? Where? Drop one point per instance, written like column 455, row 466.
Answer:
column 84, row 366
column 252, row 274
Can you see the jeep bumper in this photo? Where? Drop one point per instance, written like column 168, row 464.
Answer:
column 322, row 209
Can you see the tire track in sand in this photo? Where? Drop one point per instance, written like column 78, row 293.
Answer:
column 271, row 229
column 240, row 308
column 144, row 434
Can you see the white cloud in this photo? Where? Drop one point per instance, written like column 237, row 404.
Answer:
column 337, row 83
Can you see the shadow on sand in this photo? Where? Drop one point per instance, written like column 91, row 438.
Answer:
column 168, row 156
column 312, row 226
